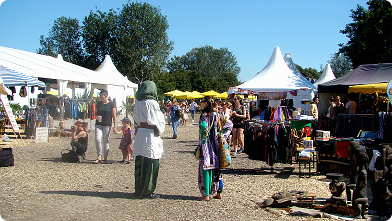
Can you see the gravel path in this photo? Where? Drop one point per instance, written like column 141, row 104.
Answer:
column 41, row 187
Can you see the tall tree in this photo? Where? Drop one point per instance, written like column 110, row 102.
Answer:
column 208, row 61
column 340, row 64
column 65, row 38
column 370, row 34
column 99, row 36
column 142, row 44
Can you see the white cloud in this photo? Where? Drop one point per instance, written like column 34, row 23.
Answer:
column 1, row 2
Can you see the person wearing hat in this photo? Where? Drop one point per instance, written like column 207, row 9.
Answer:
column 79, row 139
column 148, row 147
column 126, row 140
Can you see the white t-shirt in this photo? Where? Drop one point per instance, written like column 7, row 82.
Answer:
column 351, row 106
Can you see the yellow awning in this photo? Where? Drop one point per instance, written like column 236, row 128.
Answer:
column 210, row 93
column 368, row 88
column 173, row 93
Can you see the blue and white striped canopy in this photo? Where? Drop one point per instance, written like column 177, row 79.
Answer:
column 14, row 78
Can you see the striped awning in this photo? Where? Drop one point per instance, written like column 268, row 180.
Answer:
column 13, row 78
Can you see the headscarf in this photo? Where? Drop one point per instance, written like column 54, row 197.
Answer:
column 147, row 90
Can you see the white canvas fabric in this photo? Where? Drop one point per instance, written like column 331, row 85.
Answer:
column 146, row 143
column 276, row 76
column 326, row 76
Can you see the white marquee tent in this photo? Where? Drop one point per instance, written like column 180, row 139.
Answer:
column 276, row 76
column 55, row 72
column 326, row 76
column 120, row 87
column 289, row 62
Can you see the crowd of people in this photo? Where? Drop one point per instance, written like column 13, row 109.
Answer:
column 149, row 118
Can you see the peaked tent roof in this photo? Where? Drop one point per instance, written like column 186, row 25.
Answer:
column 363, row 74
column 326, row 76
column 107, row 68
column 42, row 66
column 289, row 62
column 276, row 76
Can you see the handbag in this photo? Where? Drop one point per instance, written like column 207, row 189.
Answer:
column 6, row 157
column 69, row 157
column 224, row 152
column 197, row 152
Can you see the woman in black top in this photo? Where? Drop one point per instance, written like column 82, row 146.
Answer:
column 106, row 114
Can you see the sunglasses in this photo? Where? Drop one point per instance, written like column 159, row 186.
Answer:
column 235, row 99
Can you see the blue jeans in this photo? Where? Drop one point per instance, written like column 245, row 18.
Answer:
column 175, row 124
column 193, row 112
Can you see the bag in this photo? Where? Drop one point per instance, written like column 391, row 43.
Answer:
column 197, row 152
column 224, row 152
column 6, row 157
column 23, row 91
column 69, row 157
column 178, row 113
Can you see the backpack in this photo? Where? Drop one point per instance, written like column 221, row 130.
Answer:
column 69, row 157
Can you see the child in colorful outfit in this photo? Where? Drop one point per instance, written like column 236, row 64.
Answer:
column 126, row 140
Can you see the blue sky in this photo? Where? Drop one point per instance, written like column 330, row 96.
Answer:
column 250, row 29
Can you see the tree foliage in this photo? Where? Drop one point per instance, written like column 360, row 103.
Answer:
column 340, row 64
column 135, row 38
column 65, row 38
column 205, row 68
column 309, row 72
column 370, row 34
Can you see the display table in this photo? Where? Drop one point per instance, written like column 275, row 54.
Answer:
column 333, row 155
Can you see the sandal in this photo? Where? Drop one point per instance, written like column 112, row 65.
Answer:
column 97, row 161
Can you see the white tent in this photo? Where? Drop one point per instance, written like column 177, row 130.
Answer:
column 326, row 76
column 42, row 66
column 289, row 62
column 276, row 76
column 119, row 86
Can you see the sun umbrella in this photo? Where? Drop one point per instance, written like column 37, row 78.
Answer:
column 210, row 93
column 221, row 95
column 196, row 95
column 14, row 78
column 173, row 93
column 52, row 93
column 184, row 95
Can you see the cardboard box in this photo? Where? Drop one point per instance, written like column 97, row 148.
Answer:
column 322, row 135
column 308, row 143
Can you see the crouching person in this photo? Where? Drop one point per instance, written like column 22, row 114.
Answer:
column 79, row 139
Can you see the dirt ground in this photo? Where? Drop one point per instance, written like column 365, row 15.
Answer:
column 41, row 187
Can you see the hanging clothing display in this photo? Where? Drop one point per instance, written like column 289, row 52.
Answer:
column 385, row 122
column 269, row 142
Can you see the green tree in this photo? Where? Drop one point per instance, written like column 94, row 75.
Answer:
column 309, row 72
column 142, row 44
column 208, row 61
column 340, row 64
column 370, row 34
column 98, row 36
column 65, row 38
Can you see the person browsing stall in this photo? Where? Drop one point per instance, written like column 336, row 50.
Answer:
column 238, row 118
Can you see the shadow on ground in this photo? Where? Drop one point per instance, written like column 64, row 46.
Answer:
column 110, row 195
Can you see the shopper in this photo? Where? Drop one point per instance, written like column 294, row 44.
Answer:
column 193, row 108
column 351, row 106
column 238, row 117
column 175, row 115
column 148, row 147
column 209, row 172
column 105, row 113
column 314, row 109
